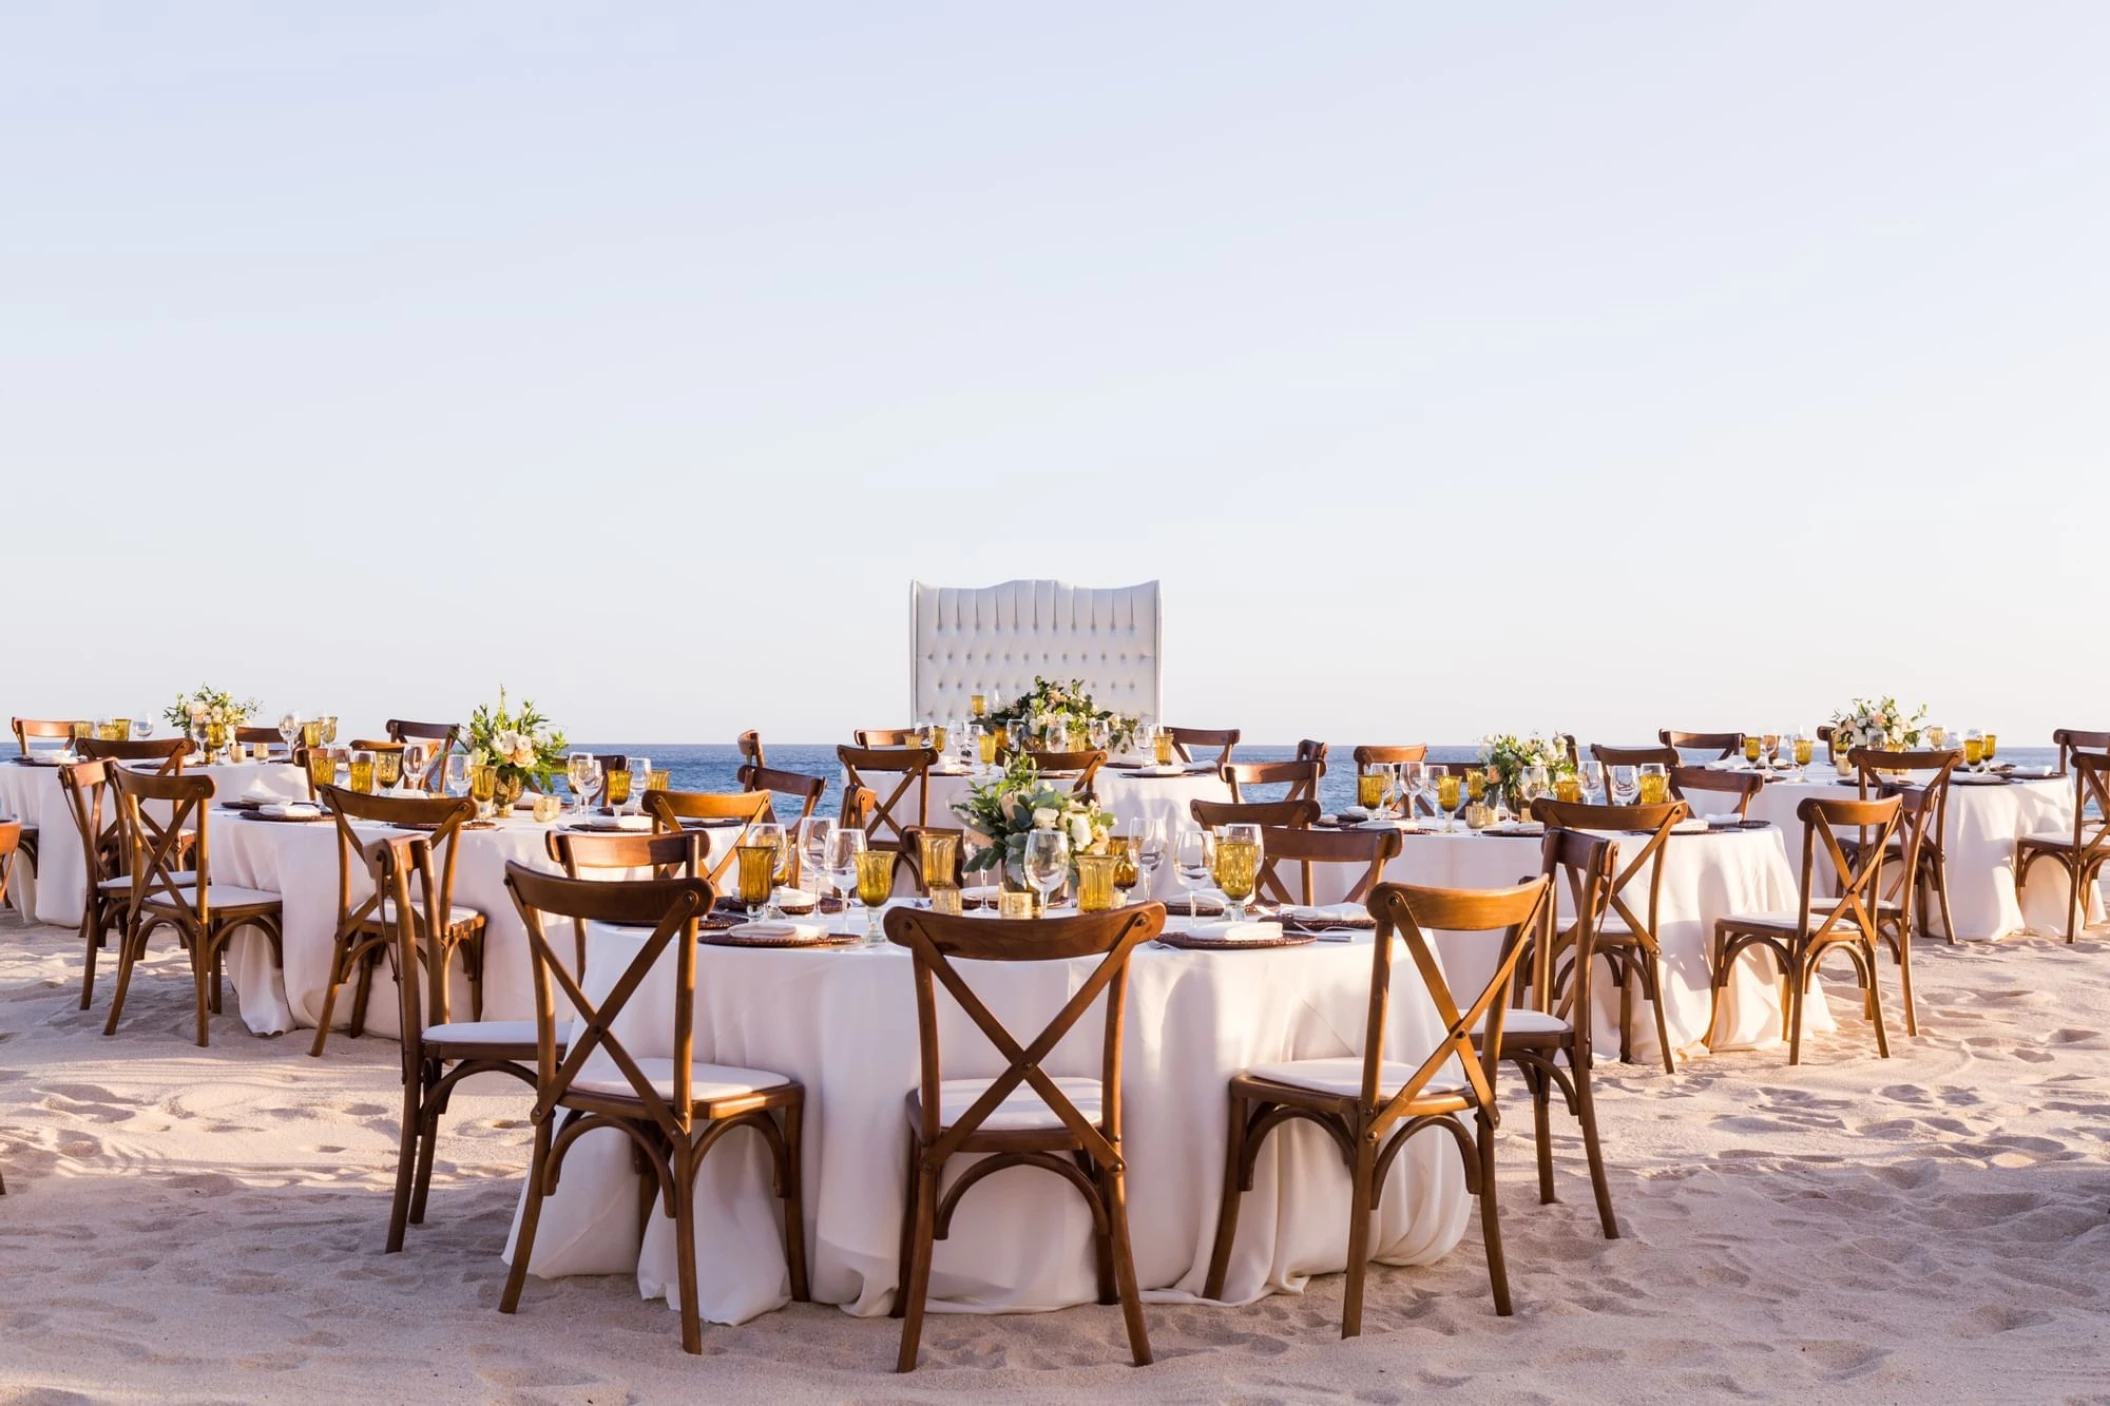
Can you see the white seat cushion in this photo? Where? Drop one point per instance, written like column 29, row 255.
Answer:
column 1344, row 1075
column 493, row 1032
column 185, row 878
column 1520, row 1021
column 1023, row 1109
column 2063, row 838
column 707, row 1081
column 221, row 896
column 457, row 913
column 1787, row 918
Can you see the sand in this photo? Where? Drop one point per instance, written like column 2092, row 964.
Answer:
column 206, row 1225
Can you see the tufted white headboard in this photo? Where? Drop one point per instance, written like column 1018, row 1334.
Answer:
column 994, row 641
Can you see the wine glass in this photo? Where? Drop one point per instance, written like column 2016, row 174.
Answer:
column 1150, row 853
column 329, row 729
column 579, row 770
column 1974, row 749
column 289, row 728
column 1097, row 734
column 1410, row 784
column 455, row 779
column 1589, row 775
column 142, row 727
column 843, row 847
column 1991, row 742
column 388, row 770
column 875, row 885
column 1626, row 785
column 415, row 759
column 640, row 782
column 814, row 834
column 1047, row 862
column 1191, row 858
column 1238, row 867
column 767, row 837
column 1754, row 748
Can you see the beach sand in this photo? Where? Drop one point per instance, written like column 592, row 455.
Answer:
column 206, row 1225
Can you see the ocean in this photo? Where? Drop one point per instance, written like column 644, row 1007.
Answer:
column 711, row 767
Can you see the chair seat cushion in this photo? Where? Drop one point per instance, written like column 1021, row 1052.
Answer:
column 1344, row 1075
column 1023, row 1109
column 2061, row 839
column 186, row 878
column 492, row 1032
column 1520, row 1021
column 458, row 915
column 706, row 1081
column 223, row 896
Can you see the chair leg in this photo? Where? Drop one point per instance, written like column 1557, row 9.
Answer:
column 1114, row 1182
column 925, row 1234
column 127, row 950
column 530, row 1216
column 793, row 1182
column 909, row 1200
column 1227, row 1210
column 1796, row 977
column 683, row 1164
column 1586, row 1114
column 1941, row 893
column 1912, row 1024
column 1541, row 1085
column 1655, row 995
column 1362, row 1178
column 201, row 977
column 92, row 924
column 339, row 955
column 428, row 1144
column 1490, row 1218
column 1102, row 1241
column 1625, row 982
column 407, row 1153
column 363, row 991
column 1875, row 1002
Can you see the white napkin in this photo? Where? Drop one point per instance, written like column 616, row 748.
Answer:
column 632, row 822
column 1692, row 825
column 1374, row 825
column 1724, row 817
column 1517, row 827
column 797, row 898
column 1725, row 764
column 795, row 931
column 1223, row 931
column 261, row 793
column 291, row 810
column 1328, row 913
column 1176, row 769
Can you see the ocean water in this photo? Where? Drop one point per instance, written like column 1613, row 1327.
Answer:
column 714, row 767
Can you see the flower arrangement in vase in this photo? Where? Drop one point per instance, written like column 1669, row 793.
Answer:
column 1878, row 723
column 1512, row 759
column 210, row 715
column 1002, row 813
column 1035, row 710
column 521, row 747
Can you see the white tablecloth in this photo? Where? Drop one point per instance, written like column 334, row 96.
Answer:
column 1134, row 801
column 1705, row 877
column 299, row 863
column 33, row 794
column 1983, row 824
column 843, row 1023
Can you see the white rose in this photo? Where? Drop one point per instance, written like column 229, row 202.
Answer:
column 1044, row 818
column 524, row 754
column 1081, row 830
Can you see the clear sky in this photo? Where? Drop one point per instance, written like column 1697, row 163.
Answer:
column 1605, row 367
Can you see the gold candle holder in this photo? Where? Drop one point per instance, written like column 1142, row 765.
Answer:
column 1014, row 904
column 1095, row 882
column 547, row 809
column 945, row 899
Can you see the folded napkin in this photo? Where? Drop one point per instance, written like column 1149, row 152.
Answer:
column 1351, row 815
column 631, row 822
column 789, row 932
column 1352, row 913
column 1517, row 827
column 261, row 794
column 291, row 810
column 1374, row 825
column 1233, row 932
column 952, row 769
column 1692, row 825
column 797, row 898
column 1724, row 817
column 1154, row 770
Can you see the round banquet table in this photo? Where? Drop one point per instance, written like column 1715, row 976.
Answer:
column 1134, row 801
column 843, row 1023
column 31, row 792
column 1705, row 877
column 1983, row 824
column 299, row 863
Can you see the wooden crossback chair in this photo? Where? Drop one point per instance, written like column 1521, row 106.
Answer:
column 673, row 1110
column 108, row 899
column 1307, row 848
column 669, row 808
column 1210, row 814
column 751, row 753
column 443, row 735
column 1369, row 1105
column 1301, row 778
column 890, row 816
column 269, row 736
column 1548, row 1037
column 1610, row 756
column 1024, row 1117
column 2083, row 851
column 1693, row 784
column 1724, row 745
column 26, row 728
column 366, row 929
column 1933, row 865
column 205, row 915
column 1800, row 940
column 10, row 845
column 2072, row 739
column 1085, row 763
column 872, row 738
column 663, row 856
column 1184, row 739
column 436, row 1055
column 1626, row 938
column 168, row 753
column 807, row 790
column 1390, row 756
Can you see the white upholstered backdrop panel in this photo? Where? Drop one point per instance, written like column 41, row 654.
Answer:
column 996, row 639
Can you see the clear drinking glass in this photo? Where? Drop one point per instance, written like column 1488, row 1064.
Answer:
column 1047, row 862
column 329, row 729
column 844, row 845
column 1410, row 786
column 455, row 779
column 416, row 757
column 640, row 781
column 1192, row 858
column 143, row 727
column 1589, row 775
column 1626, row 785
column 1150, row 853
column 578, row 770
column 814, row 833
column 289, row 728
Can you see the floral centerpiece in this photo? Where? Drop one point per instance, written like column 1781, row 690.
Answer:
column 1000, row 814
column 522, row 746
column 1877, row 723
column 211, row 715
column 1045, row 703
column 1513, row 757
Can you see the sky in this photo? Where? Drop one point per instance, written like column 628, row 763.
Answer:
column 1601, row 368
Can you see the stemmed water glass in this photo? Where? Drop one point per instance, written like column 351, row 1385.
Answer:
column 289, row 728
column 1410, row 788
column 1626, row 785
column 1047, row 862
column 583, row 771
column 454, row 779
column 142, row 727
column 1191, row 863
column 415, row 760
column 814, row 833
column 1589, row 775
column 640, row 782
column 1150, row 853
column 843, row 847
